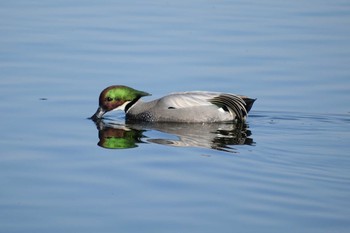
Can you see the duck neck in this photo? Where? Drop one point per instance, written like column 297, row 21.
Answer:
column 131, row 104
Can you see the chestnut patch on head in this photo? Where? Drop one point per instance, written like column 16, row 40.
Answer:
column 110, row 103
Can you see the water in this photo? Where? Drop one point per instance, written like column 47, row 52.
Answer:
column 286, row 170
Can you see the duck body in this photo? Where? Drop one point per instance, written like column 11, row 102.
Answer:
column 181, row 107
column 194, row 106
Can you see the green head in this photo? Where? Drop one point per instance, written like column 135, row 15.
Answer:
column 116, row 97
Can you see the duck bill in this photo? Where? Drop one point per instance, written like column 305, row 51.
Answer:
column 98, row 114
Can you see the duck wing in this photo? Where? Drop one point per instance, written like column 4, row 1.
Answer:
column 228, row 102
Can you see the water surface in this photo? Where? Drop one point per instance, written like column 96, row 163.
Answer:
column 285, row 170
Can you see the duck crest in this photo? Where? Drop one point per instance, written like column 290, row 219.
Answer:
column 119, row 92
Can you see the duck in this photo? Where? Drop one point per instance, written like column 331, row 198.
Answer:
column 180, row 107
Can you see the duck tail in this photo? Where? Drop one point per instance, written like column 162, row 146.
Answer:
column 248, row 103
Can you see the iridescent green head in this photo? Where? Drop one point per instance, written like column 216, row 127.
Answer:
column 117, row 97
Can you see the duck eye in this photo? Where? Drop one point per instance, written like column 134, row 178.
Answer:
column 109, row 99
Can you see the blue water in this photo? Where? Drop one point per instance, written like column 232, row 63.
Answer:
column 286, row 170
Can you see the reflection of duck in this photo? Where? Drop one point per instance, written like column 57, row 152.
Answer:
column 219, row 136
column 194, row 106
column 117, row 136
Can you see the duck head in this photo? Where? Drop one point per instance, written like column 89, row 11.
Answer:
column 115, row 98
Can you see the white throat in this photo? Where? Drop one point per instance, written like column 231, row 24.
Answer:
column 122, row 107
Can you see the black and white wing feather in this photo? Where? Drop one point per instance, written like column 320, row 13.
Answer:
column 229, row 102
column 233, row 103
